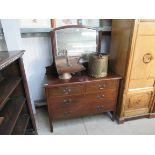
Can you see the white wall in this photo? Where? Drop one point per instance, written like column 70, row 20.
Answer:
column 38, row 55
column 3, row 46
column 12, row 34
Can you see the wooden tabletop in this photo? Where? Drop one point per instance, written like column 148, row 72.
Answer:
column 55, row 81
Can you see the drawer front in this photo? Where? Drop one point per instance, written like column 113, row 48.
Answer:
column 66, row 90
column 105, row 97
column 66, row 101
column 80, row 111
column 146, row 28
column 101, row 85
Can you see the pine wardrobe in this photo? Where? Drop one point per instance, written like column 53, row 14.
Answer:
column 132, row 56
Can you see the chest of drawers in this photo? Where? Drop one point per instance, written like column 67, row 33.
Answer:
column 80, row 96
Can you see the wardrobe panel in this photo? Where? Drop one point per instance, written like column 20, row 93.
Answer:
column 144, row 58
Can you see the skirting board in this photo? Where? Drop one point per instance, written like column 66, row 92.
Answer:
column 39, row 103
column 124, row 119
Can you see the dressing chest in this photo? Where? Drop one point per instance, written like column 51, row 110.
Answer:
column 80, row 96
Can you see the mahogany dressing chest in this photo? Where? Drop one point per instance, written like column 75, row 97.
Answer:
column 80, row 96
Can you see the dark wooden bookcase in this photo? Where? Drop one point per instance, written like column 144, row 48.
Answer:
column 16, row 116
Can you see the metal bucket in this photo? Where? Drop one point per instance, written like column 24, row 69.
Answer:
column 98, row 65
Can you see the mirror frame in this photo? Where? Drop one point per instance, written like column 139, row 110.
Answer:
column 53, row 39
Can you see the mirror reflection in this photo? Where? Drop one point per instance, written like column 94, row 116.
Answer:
column 78, row 42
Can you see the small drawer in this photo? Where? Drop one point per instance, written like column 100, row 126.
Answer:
column 66, row 101
column 101, row 85
column 105, row 97
column 66, row 90
column 146, row 28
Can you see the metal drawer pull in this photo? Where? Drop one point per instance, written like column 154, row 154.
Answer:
column 67, row 114
column 100, row 96
column 102, row 86
column 99, row 107
column 67, row 101
column 66, row 90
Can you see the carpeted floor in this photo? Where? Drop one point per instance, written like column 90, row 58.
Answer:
column 93, row 125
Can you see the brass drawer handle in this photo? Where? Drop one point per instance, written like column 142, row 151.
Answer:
column 67, row 101
column 66, row 90
column 67, row 114
column 102, row 86
column 99, row 107
column 100, row 96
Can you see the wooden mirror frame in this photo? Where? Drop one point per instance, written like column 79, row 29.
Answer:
column 53, row 39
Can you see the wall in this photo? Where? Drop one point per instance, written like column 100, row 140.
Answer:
column 3, row 46
column 12, row 34
column 38, row 55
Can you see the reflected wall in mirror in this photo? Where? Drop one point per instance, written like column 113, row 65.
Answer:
column 79, row 42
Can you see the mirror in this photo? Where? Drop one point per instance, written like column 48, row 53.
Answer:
column 78, row 41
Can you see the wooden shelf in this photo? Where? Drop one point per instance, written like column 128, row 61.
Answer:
column 35, row 30
column 10, row 113
column 21, row 125
column 1, row 120
column 30, row 132
column 7, row 86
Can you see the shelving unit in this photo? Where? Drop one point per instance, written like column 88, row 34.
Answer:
column 21, row 125
column 16, row 115
column 1, row 120
column 11, row 113
column 7, row 86
column 35, row 30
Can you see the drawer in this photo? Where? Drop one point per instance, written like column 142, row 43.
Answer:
column 146, row 28
column 66, row 101
column 104, row 97
column 101, row 85
column 66, row 90
column 80, row 111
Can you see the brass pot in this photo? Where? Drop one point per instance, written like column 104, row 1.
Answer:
column 98, row 65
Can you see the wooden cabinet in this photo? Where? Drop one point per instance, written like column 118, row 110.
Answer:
column 80, row 96
column 16, row 117
column 132, row 55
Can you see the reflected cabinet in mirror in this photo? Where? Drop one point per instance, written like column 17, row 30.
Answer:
column 77, row 41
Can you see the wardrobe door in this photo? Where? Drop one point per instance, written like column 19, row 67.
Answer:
column 144, row 58
column 138, row 103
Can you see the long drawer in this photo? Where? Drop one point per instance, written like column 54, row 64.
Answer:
column 67, row 90
column 99, row 86
column 80, row 111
